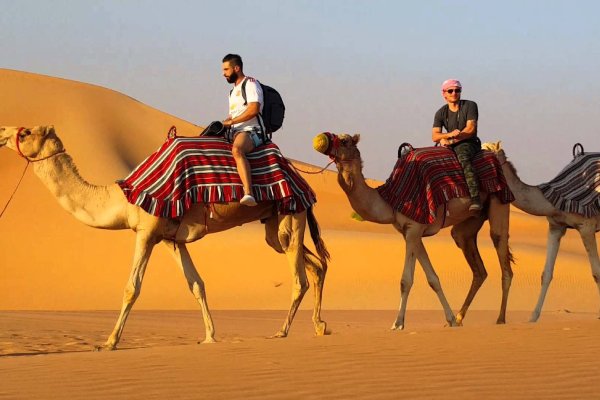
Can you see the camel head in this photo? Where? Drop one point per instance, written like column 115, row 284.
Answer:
column 31, row 143
column 340, row 147
column 497, row 149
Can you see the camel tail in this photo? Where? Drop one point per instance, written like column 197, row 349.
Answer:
column 315, row 233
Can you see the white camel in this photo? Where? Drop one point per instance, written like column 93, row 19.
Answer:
column 106, row 207
column 369, row 204
column 531, row 200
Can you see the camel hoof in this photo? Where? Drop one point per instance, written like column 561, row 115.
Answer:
column 500, row 321
column 397, row 327
column 321, row 328
column 208, row 340
column 278, row 335
column 105, row 347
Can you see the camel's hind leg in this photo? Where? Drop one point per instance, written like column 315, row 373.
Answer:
column 588, row 235
column 499, row 215
column 555, row 234
column 317, row 271
column 195, row 283
column 465, row 237
column 313, row 265
column 291, row 237
column 144, row 243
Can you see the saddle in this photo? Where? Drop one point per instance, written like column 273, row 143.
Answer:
column 425, row 178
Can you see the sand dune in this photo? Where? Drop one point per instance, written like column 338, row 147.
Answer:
column 51, row 262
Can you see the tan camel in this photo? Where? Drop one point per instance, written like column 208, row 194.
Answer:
column 531, row 200
column 367, row 202
column 106, row 207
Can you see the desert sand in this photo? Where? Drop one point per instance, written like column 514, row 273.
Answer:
column 62, row 282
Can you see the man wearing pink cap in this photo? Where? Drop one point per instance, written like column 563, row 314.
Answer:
column 459, row 119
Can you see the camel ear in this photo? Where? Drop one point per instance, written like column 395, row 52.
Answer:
column 48, row 130
column 498, row 146
column 355, row 139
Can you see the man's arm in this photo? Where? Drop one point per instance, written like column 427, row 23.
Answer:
column 469, row 131
column 251, row 112
column 437, row 136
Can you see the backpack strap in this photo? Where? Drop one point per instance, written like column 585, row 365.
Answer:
column 263, row 129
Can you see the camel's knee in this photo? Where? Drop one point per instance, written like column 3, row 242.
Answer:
column 301, row 288
column 499, row 240
column 435, row 284
column 547, row 278
column 197, row 289
column 405, row 285
column 480, row 276
column 130, row 294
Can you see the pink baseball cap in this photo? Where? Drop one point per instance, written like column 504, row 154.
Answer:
column 450, row 83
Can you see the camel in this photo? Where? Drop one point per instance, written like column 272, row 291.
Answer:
column 531, row 200
column 106, row 207
column 370, row 206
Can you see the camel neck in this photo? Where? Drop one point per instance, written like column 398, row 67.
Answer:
column 96, row 206
column 527, row 198
column 364, row 199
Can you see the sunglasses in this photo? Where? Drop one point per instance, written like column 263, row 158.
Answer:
column 453, row 90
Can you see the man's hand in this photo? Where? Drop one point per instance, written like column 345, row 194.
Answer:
column 228, row 122
column 453, row 134
column 445, row 142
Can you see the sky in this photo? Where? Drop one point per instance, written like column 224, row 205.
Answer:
column 369, row 67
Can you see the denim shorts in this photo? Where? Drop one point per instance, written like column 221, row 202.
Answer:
column 255, row 135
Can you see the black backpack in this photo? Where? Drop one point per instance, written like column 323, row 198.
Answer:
column 273, row 108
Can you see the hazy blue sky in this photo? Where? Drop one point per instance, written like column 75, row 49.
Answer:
column 368, row 67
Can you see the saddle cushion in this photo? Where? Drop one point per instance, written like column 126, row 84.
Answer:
column 189, row 170
column 576, row 189
column 425, row 178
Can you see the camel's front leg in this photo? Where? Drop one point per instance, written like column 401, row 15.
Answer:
column 318, row 271
column 144, row 244
column 195, row 284
column 291, row 237
column 555, row 234
column 434, row 282
column 408, row 275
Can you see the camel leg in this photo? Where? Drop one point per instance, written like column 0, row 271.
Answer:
column 412, row 238
column 434, row 282
column 195, row 284
column 555, row 233
column 317, row 272
column 499, row 215
column 291, row 237
column 465, row 237
column 144, row 244
column 588, row 235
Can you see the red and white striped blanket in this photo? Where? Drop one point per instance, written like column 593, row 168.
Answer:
column 186, row 170
column 576, row 189
column 425, row 178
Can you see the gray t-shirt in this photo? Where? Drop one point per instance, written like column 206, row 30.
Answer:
column 444, row 118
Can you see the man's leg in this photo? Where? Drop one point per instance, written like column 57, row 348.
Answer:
column 243, row 144
column 465, row 153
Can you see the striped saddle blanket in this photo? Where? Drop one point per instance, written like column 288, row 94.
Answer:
column 425, row 178
column 576, row 189
column 189, row 170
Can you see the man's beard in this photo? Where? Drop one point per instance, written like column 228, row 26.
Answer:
column 232, row 78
